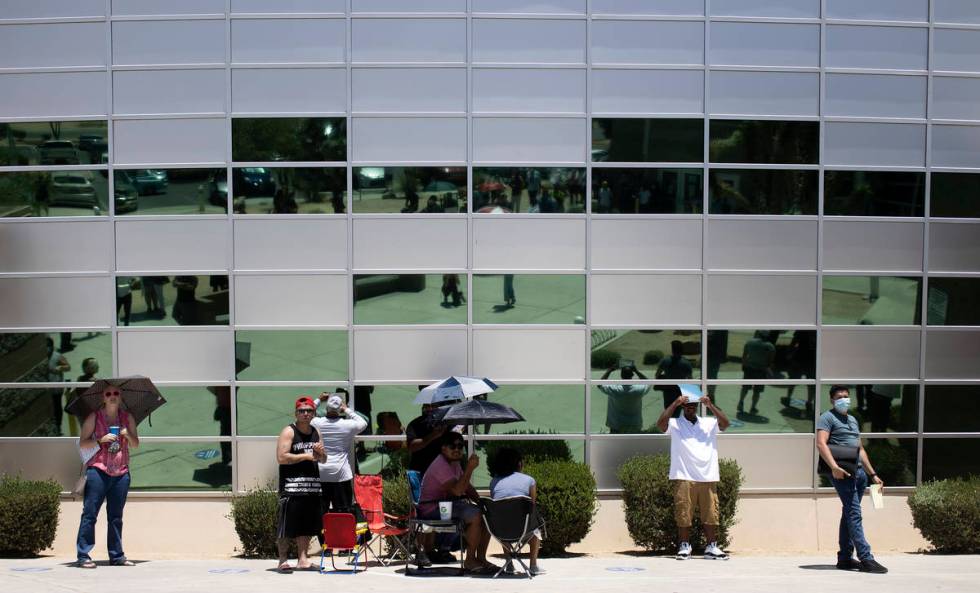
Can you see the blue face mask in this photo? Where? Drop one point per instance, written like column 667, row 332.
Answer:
column 843, row 404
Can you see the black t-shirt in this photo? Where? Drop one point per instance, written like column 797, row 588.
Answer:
column 303, row 478
column 420, row 428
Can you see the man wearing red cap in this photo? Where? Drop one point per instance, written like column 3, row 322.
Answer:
column 298, row 451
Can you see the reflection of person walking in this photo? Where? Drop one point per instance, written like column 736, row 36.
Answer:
column 509, row 297
column 757, row 357
column 57, row 367
column 185, row 305
column 450, row 288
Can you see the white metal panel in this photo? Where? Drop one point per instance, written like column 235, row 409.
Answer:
column 765, row 44
column 413, row 6
column 52, row 246
column 409, row 139
column 416, row 90
column 530, row 6
column 956, row 146
column 32, row 9
column 168, row 91
column 408, row 40
column 315, row 299
column 309, row 40
column 647, row 42
column 607, row 455
column 400, row 244
column 288, row 6
column 873, row 246
column 167, row 7
column 47, row 94
column 529, row 354
column 758, row 299
column 952, row 355
column 52, row 45
column 647, row 91
column 526, row 90
column 862, row 354
column 955, row 49
column 636, row 299
column 170, row 141
column 762, row 244
column 877, row 144
column 660, row 7
column 879, row 10
column 256, row 468
column 172, row 245
column 54, row 459
column 293, row 244
column 956, row 11
column 767, row 8
column 765, row 93
column 167, row 42
column 288, row 90
column 56, row 302
column 178, row 355
column 954, row 247
column 500, row 243
column 956, row 98
column 529, row 41
column 859, row 46
column 416, row 356
column 498, row 139
column 646, row 244
column 757, row 456
column 870, row 95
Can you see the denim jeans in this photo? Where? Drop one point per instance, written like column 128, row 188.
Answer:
column 851, row 532
column 101, row 487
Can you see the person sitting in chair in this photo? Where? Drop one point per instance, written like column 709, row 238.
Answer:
column 508, row 481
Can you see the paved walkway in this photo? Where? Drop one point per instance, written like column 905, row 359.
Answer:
column 909, row 572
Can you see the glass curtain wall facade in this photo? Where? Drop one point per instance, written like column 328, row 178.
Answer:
column 248, row 200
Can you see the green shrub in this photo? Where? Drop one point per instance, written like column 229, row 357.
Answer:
column 605, row 359
column 566, row 499
column 947, row 513
column 652, row 357
column 28, row 515
column 551, row 450
column 892, row 463
column 648, row 502
column 254, row 514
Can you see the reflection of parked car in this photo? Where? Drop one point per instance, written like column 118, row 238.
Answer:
column 600, row 155
column 250, row 182
column 146, row 181
column 218, row 189
column 19, row 155
column 72, row 189
column 88, row 142
column 59, row 152
column 125, row 198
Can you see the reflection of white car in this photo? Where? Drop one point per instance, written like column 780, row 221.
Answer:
column 71, row 189
column 59, row 152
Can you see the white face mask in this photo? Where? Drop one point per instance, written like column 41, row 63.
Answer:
column 843, row 404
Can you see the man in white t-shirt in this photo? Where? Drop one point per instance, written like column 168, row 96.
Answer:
column 337, row 430
column 694, row 468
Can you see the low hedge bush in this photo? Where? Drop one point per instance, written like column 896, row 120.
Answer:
column 254, row 514
column 947, row 513
column 28, row 515
column 605, row 358
column 566, row 499
column 648, row 503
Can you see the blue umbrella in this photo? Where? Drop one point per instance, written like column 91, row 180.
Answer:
column 692, row 391
column 454, row 389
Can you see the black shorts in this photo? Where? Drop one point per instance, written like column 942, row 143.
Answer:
column 299, row 516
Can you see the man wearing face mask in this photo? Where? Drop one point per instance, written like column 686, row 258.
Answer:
column 837, row 427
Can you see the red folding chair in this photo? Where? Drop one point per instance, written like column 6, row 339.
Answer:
column 340, row 534
column 368, row 491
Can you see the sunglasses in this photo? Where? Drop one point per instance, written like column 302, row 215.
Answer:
column 305, row 411
column 459, row 446
column 110, row 394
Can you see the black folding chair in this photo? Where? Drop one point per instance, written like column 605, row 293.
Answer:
column 512, row 522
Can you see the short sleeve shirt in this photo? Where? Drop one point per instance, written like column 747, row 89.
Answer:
column 843, row 428
column 439, row 472
column 516, row 484
column 420, row 428
column 693, row 449
column 624, row 409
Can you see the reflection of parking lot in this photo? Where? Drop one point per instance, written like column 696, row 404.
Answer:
column 182, row 196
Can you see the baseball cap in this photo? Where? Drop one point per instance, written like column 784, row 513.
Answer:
column 305, row 400
column 334, row 402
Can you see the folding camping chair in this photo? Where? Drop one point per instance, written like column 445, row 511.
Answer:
column 511, row 521
column 368, row 491
column 340, row 534
column 418, row 525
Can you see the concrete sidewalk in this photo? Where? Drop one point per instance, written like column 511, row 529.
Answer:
column 586, row 574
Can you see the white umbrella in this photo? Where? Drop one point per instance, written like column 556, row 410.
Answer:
column 454, row 389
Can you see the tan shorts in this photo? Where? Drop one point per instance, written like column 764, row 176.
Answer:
column 700, row 495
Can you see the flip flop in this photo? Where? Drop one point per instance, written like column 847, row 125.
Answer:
column 284, row 568
column 123, row 563
column 87, row 564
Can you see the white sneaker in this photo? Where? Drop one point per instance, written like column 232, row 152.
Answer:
column 713, row 552
column 684, row 551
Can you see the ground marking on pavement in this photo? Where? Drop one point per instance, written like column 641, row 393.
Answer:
column 207, row 454
column 30, row 569
column 624, row 569
column 228, row 570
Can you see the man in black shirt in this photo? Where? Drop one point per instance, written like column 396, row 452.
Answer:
column 423, row 440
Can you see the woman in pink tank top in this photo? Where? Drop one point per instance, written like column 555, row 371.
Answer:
column 107, row 476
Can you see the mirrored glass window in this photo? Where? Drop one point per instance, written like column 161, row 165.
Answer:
column 528, row 298
column 192, row 412
column 548, row 449
column 955, row 195
column 57, row 193
column 36, row 412
column 758, row 141
column 647, row 191
column 546, row 190
column 871, row 300
column 746, row 191
column 170, row 191
column 381, row 299
column 881, row 407
column 405, row 190
column 291, row 355
column 952, row 408
column 264, row 411
column 172, row 300
column 625, row 140
column 289, row 139
column 954, row 301
column 54, row 143
column 55, row 357
column 764, row 408
column 874, row 193
column 283, row 190
column 762, row 354
column 671, row 354
column 628, row 408
column 187, row 466
column 949, row 458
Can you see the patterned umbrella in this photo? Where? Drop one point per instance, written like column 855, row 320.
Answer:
column 139, row 397
column 454, row 389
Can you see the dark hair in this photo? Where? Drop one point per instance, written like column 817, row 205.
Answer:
column 450, row 437
column 835, row 389
column 50, row 343
column 676, row 347
column 505, row 462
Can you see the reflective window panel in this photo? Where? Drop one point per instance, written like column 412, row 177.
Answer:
column 647, row 140
column 381, row 299
column 647, row 191
column 289, row 139
column 284, row 355
column 57, row 193
column 528, row 298
column 192, row 412
column 264, row 411
column 874, row 193
column 758, row 141
column 894, row 460
column 950, row 458
column 955, row 195
column 54, row 357
column 952, row 408
column 188, row 466
column 954, row 301
column 36, row 412
column 628, row 408
column 172, row 300
column 571, row 450
column 762, row 354
column 670, row 354
column 170, row 191
column 54, row 143
column 745, row 191
column 881, row 407
column 763, row 408
column 532, row 190
column 427, row 190
column 871, row 300
column 283, row 190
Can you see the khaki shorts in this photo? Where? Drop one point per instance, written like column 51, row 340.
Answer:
column 690, row 495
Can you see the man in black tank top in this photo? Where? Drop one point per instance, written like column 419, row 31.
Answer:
column 298, row 451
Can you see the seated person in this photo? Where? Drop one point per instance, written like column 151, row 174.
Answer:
column 508, row 481
column 446, row 480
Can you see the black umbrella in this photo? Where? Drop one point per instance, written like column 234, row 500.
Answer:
column 139, row 397
column 476, row 411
